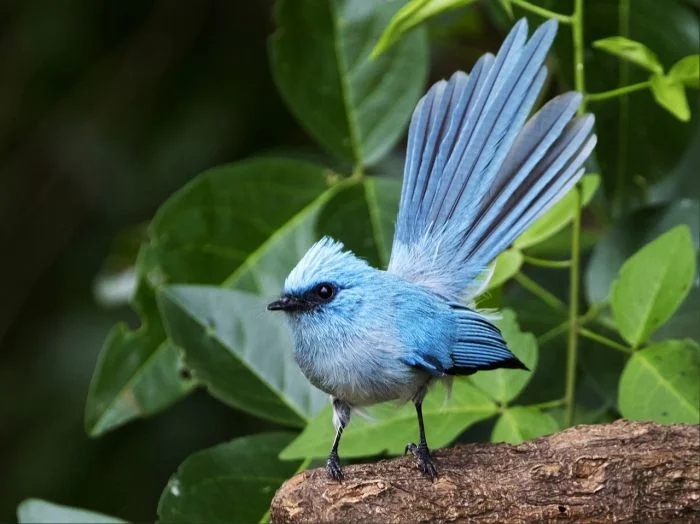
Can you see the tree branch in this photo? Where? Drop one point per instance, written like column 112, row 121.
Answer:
column 622, row 472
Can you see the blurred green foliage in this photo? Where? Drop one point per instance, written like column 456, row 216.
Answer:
column 110, row 107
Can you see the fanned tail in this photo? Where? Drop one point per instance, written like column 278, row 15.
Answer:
column 477, row 175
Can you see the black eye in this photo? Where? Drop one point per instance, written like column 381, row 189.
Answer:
column 324, row 291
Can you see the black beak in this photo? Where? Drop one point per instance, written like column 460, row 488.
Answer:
column 287, row 304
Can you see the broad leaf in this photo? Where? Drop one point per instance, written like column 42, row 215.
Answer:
column 355, row 107
column 231, row 482
column 362, row 216
column 37, row 511
column 686, row 71
column 411, row 16
column 138, row 373
column 660, row 383
column 625, row 237
column 240, row 351
column 506, row 267
column 388, row 428
column 670, row 95
column 231, row 225
column 632, row 51
column 559, row 215
column 652, row 284
column 519, row 423
column 503, row 385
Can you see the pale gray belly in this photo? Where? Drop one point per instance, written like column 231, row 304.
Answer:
column 364, row 383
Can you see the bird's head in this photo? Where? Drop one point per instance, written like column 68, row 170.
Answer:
column 326, row 280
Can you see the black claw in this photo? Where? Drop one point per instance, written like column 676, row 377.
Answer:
column 333, row 468
column 423, row 459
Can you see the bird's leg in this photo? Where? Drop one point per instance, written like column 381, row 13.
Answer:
column 421, row 451
column 341, row 417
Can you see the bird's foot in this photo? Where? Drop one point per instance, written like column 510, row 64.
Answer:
column 333, row 467
column 423, row 459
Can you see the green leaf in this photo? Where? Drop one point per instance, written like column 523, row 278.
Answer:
column 670, row 95
column 240, row 351
column 355, row 107
column 559, row 215
column 639, row 142
column 660, row 383
column 409, row 17
column 518, row 424
column 686, row 71
column 37, row 511
column 390, row 428
column 503, row 385
column 652, row 284
column 233, row 226
column 362, row 216
column 626, row 236
column 138, row 373
column 231, row 482
column 507, row 266
column 632, row 51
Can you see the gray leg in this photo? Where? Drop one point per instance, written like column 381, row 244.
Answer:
column 421, row 451
column 341, row 417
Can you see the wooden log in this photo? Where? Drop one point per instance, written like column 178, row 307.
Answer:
column 621, row 472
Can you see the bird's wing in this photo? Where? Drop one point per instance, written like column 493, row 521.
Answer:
column 479, row 346
column 476, row 174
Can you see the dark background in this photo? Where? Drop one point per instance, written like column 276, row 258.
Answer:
column 105, row 109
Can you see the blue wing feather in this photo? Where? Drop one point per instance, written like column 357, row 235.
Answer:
column 479, row 346
column 477, row 175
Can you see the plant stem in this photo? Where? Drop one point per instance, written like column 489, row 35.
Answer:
column 553, row 333
column 623, row 120
column 620, row 91
column 574, row 275
column 541, row 262
column 601, row 339
column 540, row 292
column 546, row 13
column 572, row 343
column 549, row 404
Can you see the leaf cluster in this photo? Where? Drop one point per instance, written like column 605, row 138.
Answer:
column 218, row 251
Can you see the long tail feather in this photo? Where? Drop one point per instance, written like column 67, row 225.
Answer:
column 477, row 175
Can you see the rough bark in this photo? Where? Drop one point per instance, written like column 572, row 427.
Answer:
column 621, row 472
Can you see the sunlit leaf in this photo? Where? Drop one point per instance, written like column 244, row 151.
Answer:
column 37, row 511
column 520, row 423
column 355, row 107
column 503, row 385
column 660, row 383
column 652, row 284
column 508, row 264
column 390, row 427
column 231, row 482
column 632, row 51
column 686, row 71
column 240, row 351
column 411, row 16
column 670, row 95
column 559, row 215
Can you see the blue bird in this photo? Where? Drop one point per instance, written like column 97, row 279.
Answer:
column 477, row 174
